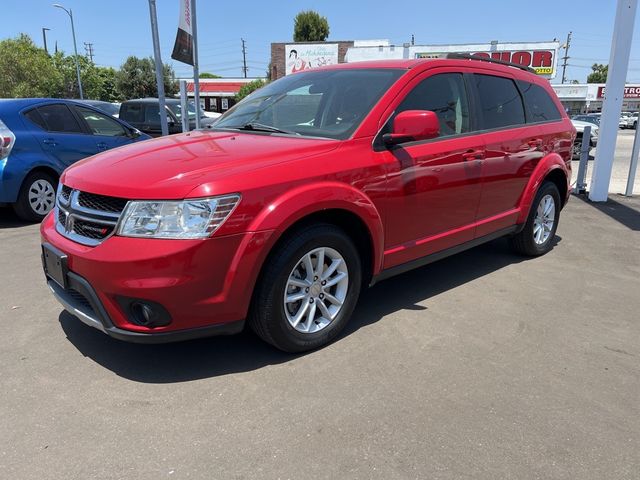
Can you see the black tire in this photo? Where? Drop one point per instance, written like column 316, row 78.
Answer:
column 524, row 242
column 24, row 208
column 267, row 315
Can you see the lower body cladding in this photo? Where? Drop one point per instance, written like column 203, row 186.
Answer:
column 152, row 290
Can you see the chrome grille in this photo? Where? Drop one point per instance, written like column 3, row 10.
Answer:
column 87, row 218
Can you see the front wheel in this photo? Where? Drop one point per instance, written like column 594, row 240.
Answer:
column 37, row 197
column 308, row 289
column 537, row 235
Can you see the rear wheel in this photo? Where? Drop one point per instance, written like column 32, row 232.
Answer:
column 308, row 290
column 537, row 235
column 37, row 197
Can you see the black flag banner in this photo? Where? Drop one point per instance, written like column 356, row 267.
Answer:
column 183, row 48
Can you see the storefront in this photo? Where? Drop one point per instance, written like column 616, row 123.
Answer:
column 217, row 94
column 588, row 97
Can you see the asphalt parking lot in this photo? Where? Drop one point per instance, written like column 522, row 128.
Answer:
column 483, row 365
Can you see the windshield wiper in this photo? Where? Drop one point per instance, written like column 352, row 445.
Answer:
column 260, row 127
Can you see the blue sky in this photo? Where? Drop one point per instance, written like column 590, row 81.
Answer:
column 118, row 28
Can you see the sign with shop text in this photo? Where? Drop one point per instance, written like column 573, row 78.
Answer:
column 540, row 56
column 632, row 91
column 307, row 56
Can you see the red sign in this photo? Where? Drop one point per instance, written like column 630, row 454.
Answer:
column 629, row 92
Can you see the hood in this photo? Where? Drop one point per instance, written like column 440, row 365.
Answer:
column 171, row 167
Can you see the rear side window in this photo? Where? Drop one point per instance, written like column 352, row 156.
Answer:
column 540, row 106
column 132, row 112
column 445, row 95
column 152, row 114
column 58, row 118
column 500, row 102
column 100, row 124
column 36, row 118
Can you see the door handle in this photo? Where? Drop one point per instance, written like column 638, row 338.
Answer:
column 50, row 141
column 102, row 146
column 473, row 155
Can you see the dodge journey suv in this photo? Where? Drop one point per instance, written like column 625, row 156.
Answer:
column 307, row 191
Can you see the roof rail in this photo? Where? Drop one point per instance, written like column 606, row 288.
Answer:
column 467, row 56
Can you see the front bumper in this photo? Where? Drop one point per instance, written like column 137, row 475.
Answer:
column 204, row 285
column 81, row 301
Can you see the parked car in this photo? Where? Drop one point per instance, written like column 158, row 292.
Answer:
column 311, row 188
column 112, row 109
column 144, row 114
column 577, row 143
column 589, row 118
column 40, row 138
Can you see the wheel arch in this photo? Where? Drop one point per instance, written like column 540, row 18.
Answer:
column 552, row 168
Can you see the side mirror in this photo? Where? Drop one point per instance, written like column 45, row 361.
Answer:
column 413, row 125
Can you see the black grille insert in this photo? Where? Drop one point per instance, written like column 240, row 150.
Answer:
column 101, row 202
column 65, row 193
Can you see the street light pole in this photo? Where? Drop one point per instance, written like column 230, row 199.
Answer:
column 44, row 37
column 75, row 47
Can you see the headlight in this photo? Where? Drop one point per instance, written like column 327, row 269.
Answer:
column 191, row 218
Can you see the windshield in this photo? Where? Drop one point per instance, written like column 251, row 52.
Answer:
column 176, row 108
column 323, row 103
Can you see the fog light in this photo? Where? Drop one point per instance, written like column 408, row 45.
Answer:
column 144, row 312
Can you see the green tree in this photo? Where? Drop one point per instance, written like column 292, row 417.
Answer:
column 208, row 75
column 137, row 79
column 309, row 26
column 26, row 70
column 599, row 74
column 249, row 88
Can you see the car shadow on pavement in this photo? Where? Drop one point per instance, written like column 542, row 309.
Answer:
column 624, row 210
column 8, row 219
column 215, row 356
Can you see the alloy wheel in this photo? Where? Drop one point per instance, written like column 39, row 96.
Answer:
column 544, row 219
column 316, row 290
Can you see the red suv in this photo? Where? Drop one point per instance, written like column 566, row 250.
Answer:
column 314, row 186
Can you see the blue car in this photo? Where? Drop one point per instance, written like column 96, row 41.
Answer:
column 40, row 137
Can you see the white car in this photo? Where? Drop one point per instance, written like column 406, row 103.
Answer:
column 577, row 144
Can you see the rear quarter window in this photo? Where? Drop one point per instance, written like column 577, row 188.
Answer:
column 132, row 113
column 540, row 106
column 500, row 102
column 33, row 116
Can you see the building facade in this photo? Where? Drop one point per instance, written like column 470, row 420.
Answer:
column 588, row 97
column 217, row 94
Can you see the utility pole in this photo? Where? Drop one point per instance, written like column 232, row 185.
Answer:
column 413, row 40
column 244, row 58
column 196, row 68
column 164, row 127
column 88, row 48
column 566, row 57
column 44, row 37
